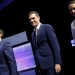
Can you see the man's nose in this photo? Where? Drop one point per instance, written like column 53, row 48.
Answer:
column 31, row 20
column 73, row 10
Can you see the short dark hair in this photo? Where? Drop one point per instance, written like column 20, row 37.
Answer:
column 71, row 2
column 34, row 12
column 2, row 32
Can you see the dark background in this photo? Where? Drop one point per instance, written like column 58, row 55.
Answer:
column 14, row 19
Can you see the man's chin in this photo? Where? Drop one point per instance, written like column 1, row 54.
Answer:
column 33, row 25
column 73, row 15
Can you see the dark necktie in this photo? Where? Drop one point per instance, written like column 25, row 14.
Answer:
column 73, row 32
column 35, row 35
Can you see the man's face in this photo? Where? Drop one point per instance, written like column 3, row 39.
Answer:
column 34, row 20
column 72, row 9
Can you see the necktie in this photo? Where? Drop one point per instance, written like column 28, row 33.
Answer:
column 35, row 35
column 73, row 32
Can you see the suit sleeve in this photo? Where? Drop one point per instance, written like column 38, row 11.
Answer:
column 8, row 51
column 54, row 44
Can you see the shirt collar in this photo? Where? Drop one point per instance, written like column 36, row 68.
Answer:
column 38, row 26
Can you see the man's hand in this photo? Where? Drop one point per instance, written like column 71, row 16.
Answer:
column 57, row 68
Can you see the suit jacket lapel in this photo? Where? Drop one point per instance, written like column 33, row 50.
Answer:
column 33, row 35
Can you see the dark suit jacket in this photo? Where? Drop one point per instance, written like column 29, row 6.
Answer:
column 7, row 59
column 47, row 50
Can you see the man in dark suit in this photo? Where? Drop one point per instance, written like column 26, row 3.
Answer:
column 7, row 59
column 71, row 7
column 45, row 46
